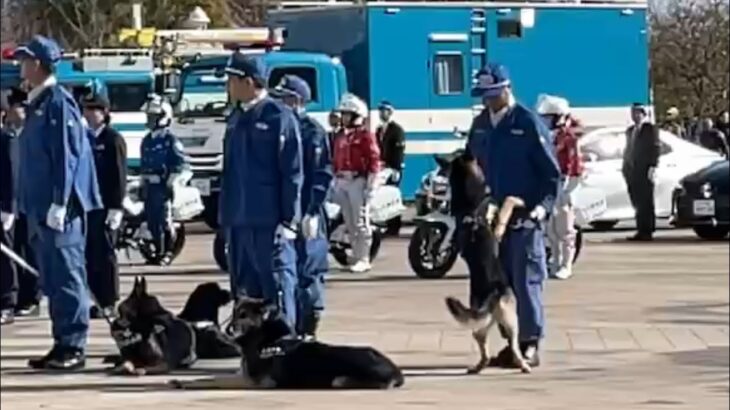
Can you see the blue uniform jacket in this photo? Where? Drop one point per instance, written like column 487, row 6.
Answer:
column 317, row 165
column 262, row 167
column 55, row 157
column 517, row 157
column 162, row 155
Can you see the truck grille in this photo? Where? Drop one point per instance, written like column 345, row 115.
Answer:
column 206, row 162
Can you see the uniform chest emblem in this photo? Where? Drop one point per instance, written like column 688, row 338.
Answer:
column 517, row 131
column 38, row 112
column 282, row 138
column 261, row 126
column 317, row 153
column 99, row 147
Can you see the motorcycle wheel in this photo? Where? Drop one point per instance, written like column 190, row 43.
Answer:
column 420, row 253
column 220, row 251
column 152, row 257
column 341, row 251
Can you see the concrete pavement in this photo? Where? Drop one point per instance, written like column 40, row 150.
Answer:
column 640, row 326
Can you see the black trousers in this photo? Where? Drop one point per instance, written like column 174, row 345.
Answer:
column 641, row 193
column 18, row 288
column 102, row 269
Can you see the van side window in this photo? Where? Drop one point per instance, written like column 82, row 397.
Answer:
column 128, row 97
column 509, row 28
column 448, row 74
column 308, row 74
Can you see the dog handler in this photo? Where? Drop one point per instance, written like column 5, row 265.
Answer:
column 261, row 188
column 356, row 164
column 57, row 188
column 312, row 245
column 515, row 151
column 561, row 226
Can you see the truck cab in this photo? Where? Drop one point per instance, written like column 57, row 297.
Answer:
column 202, row 105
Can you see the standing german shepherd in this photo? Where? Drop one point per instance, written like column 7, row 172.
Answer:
column 492, row 300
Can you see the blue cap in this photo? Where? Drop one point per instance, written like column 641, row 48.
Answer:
column 491, row 81
column 96, row 95
column 291, row 85
column 385, row 105
column 42, row 49
column 242, row 65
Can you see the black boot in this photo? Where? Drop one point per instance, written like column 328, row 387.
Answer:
column 28, row 311
column 309, row 328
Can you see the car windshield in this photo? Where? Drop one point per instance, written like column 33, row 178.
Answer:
column 123, row 97
column 202, row 94
column 603, row 146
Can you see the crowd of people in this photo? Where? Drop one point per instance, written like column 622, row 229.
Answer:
column 711, row 134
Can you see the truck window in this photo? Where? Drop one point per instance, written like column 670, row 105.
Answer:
column 127, row 97
column 308, row 74
column 509, row 28
column 448, row 74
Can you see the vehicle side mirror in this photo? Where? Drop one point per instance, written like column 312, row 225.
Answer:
column 459, row 134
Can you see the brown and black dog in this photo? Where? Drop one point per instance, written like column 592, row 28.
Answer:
column 483, row 224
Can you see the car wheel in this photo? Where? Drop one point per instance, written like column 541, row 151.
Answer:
column 604, row 225
column 712, row 233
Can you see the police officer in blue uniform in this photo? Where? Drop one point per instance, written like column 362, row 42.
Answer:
column 110, row 159
column 514, row 149
column 57, row 188
column 312, row 245
column 162, row 162
column 261, row 187
column 8, row 273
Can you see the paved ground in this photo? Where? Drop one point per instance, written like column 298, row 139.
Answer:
column 639, row 327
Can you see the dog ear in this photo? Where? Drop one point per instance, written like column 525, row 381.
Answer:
column 224, row 297
column 143, row 286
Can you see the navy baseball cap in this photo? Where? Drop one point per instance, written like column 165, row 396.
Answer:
column 244, row 66
column 291, row 85
column 491, row 81
column 42, row 49
column 385, row 105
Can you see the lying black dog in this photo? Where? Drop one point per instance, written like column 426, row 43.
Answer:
column 151, row 340
column 482, row 226
column 201, row 311
column 271, row 360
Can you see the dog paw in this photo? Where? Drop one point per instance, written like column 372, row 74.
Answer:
column 176, row 384
column 476, row 369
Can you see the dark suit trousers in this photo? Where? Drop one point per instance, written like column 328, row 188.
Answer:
column 101, row 260
column 8, row 275
column 641, row 193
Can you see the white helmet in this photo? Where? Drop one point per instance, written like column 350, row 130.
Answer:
column 552, row 105
column 156, row 105
column 353, row 104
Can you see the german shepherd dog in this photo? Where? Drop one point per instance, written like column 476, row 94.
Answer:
column 271, row 360
column 483, row 225
column 151, row 339
column 201, row 311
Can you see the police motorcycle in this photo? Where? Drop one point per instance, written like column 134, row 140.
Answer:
column 432, row 250
column 134, row 234
column 387, row 204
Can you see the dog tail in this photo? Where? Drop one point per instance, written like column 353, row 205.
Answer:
column 466, row 317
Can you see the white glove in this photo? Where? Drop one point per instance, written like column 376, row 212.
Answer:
column 651, row 174
column 539, row 213
column 171, row 180
column 284, row 234
column 7, row 220
column 114, row 219
column 310, row 226
column 56, row 218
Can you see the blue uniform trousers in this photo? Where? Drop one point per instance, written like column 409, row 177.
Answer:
column 157, row 212
column 259, row 268
column 62, row 266
column 522, row 255
column 312, row 265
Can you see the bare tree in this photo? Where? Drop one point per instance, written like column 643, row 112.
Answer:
column 689, row 56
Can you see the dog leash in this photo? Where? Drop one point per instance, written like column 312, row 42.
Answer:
column 30, row 269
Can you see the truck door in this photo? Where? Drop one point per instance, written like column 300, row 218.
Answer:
column 449, row 67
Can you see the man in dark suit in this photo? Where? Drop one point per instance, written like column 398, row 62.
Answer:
column 110, row 160
column 391, row 140
column 641, row 158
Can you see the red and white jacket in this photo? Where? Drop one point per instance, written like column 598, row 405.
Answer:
column 356, row 150
column 566, row 147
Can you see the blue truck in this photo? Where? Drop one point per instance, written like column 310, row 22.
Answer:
column 128, row 76
column 422, row 58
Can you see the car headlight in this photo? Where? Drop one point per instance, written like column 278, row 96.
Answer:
column 706, row 190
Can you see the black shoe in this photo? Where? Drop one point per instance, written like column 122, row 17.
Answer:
column 60, row 358
column 640, row 238
column 28, row 311
column 7, row 317
column 100, row 313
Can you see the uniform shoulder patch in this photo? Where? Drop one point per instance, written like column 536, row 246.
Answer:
column 262, row 126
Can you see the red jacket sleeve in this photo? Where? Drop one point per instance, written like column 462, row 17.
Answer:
column 371, row 151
